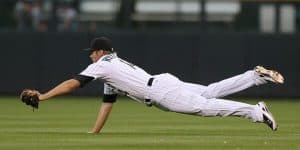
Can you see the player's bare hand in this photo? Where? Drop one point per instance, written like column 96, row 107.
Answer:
column 93, row 132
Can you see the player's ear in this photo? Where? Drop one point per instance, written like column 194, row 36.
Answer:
column 99, row 52
column 102, row 52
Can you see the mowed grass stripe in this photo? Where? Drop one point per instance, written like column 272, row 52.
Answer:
column 62, row 123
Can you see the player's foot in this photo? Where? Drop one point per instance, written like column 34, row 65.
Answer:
column 267, row 116
column 270, row 75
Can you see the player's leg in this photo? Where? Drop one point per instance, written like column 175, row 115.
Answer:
column 169, row 93
column 224, row 108
column 227, row 86
column 190, row 103
column 237, row 83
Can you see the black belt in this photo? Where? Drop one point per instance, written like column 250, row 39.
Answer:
column 148, row 102
column 150, row 81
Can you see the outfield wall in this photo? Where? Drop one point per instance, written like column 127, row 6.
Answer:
column 43, row 60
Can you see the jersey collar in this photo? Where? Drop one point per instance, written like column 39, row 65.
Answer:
column 111, row 55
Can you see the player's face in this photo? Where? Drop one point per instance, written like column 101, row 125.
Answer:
column 96, row 55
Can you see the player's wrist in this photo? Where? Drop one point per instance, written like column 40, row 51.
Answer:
column 42, row 97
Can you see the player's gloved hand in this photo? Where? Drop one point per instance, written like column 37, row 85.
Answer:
column 30, row 97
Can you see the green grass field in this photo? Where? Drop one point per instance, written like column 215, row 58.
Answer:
column 62, row 123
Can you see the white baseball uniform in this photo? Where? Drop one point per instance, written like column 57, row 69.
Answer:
column 169, row 93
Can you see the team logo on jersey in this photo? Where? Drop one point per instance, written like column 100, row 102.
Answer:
column 108, row 57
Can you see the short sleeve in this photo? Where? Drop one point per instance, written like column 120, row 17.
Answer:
column 108, row 90
column 95, row 70
column 109, row 96
column 83, row 79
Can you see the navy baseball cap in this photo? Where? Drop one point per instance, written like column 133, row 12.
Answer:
column 102, row 43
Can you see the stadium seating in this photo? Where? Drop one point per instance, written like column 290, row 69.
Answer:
column 161, row 10
column 222, row 10
column 185, row 10
column 98, row 10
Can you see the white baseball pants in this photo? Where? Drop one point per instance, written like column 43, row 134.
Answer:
column 170, row 94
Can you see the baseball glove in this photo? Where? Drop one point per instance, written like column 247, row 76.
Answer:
column 30, row 97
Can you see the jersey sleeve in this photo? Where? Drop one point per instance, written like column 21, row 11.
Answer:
column 83, row 79
column 95, row 70
column 109, row 95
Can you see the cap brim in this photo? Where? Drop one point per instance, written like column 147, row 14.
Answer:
column 88, row 49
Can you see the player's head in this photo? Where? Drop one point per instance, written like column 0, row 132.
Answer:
column 101, row 43
column 99, row 47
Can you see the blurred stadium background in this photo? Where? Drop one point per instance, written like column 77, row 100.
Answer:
column 200, row 41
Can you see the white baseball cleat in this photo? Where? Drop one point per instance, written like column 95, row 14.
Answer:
column 267, row 116
column 270, row 75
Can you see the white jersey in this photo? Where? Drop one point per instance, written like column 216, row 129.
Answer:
column 169, row 93
column 119, row 76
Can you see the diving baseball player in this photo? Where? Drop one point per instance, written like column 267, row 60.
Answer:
column 164, row 91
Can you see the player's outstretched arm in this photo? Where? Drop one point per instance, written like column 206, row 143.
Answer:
column 63, row 88
column 103, row 114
